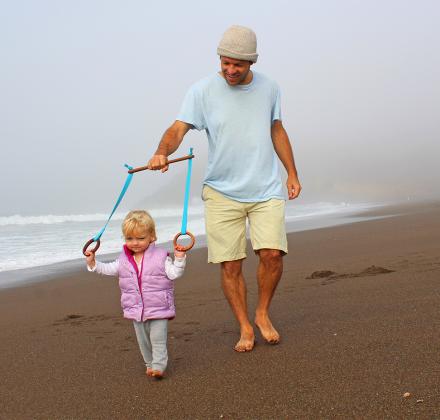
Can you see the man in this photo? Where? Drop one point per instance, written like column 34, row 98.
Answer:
column 240, row 111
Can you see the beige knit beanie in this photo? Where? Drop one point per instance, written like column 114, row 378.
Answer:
column 240, row 43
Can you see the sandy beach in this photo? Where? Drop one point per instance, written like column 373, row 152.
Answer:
column 357, row 308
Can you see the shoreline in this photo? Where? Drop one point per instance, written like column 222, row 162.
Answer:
column 28, row 276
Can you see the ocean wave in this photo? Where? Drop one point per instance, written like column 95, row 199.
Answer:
column 39, row 252
column 322, row 209
column 51, row 219
column 301, row 210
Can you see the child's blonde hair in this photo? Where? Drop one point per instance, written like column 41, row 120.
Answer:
column 139, row 220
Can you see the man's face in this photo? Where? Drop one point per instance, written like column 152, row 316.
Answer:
column 235, row 71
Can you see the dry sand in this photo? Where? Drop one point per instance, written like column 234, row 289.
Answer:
column 353, row 341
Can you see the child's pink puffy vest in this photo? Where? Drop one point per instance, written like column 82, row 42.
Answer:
column 150, row 295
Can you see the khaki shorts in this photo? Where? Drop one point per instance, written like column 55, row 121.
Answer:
column 225, row 221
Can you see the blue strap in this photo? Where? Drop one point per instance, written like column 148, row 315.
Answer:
column 186, row 200
column 121, row 195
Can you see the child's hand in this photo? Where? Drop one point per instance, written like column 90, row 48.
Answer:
column 90, row 258
column 179, row 252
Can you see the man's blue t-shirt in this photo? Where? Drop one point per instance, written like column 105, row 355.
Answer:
column 242, row 163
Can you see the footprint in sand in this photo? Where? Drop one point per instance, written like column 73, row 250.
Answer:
column 185, row 336
column 212, row 330
column 329, row 276
column 74, row 320
column 72, row 316
column 67, row 318
column 321, row 274
column 373, row 271
column 78, row 319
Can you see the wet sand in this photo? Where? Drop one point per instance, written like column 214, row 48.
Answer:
column 357, row 308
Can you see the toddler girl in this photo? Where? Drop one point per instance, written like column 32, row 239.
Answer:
column 146, row 275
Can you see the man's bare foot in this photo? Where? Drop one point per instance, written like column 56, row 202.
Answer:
column 157, row 374
column 244, row 345
column 149, row 371
column 246, row 342
column 269, row 333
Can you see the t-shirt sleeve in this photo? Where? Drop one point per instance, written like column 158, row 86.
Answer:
column 276, row 104
column 191, row 110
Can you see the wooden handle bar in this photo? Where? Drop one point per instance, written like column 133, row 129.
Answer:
column 143, row 168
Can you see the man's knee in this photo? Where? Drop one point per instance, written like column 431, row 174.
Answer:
column 271, row 257
column 231, row 269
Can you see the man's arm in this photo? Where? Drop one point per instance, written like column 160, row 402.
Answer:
column 283, row 149
column 170, row 142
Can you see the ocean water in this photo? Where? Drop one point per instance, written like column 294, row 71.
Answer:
column 38, row 241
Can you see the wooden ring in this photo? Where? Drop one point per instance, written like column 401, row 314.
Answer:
column 184, row 248
column 98, row 242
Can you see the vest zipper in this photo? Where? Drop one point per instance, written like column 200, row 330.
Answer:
column 140, row 286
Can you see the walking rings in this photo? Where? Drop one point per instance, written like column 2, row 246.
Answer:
column 181, row 247
column 88, row 243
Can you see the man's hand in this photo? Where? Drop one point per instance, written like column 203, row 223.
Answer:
column 158, row 162
column 171, row 140
column 293, row 186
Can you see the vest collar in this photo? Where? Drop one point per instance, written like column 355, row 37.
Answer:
column 130, row 257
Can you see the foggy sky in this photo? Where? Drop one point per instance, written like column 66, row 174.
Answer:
column 87, row 86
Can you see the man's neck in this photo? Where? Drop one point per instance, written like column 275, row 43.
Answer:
column 248, row 78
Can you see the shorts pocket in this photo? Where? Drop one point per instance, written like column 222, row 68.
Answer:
column 205, row 191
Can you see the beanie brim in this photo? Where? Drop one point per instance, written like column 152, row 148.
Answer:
column 238, row 56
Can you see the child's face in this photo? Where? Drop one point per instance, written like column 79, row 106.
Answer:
column 138, row 240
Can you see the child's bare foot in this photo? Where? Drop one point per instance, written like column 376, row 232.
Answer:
column 246, row 342
column 269, row 333
column 157, row 374
column 149, row 371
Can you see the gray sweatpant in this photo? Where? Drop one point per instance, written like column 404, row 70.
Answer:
column 152, row 338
